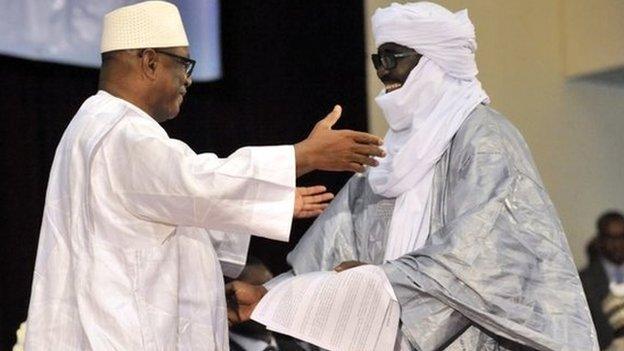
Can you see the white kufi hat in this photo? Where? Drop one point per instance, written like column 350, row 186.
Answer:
column 149, row 24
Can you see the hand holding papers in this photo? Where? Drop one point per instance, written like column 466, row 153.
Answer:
column 352, row 310
column 348, row 265
column 242, row 298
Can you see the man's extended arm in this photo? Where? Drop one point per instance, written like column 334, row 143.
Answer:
column 336, row 150
column 251, row 191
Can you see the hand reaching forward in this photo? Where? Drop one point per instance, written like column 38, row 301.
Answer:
column 336, row 150
column 311, row 201
column 242, row 298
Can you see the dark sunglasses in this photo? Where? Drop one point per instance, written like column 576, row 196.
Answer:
column 188, row 63
column 389, row 60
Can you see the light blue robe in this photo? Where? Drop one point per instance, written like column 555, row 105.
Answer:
column 496, row 272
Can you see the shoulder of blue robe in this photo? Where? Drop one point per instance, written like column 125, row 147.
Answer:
column 330, row 240
column 497, row 262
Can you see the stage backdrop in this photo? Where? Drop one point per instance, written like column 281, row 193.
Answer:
column 69, row 31
column 285, row 64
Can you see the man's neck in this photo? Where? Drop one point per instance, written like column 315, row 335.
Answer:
column 127, row 96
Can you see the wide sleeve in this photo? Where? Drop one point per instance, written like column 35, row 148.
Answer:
column 427, row 322
column 478, row 188
column 162, row 180
column 330, row 240
column 231, row 251
column 500, row 262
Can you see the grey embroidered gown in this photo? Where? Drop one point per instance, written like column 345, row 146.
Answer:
column 496, row 272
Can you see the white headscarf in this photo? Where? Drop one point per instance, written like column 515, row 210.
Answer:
column 425, row 113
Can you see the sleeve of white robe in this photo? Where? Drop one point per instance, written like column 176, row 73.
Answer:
column 162, row 180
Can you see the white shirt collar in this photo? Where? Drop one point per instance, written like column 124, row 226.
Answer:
column 132, row 106
column 252, row 344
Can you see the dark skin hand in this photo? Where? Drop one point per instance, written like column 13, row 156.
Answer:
column 157, row 82
column 336, row 150
column 311, row 201
column 348, row 265
column 242, row 298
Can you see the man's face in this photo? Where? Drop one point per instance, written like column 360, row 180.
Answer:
column 613, row 241
column 615, row 229
column 394, row 77
column 171, row 83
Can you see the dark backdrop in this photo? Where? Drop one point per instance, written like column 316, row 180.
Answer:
column 286, row 63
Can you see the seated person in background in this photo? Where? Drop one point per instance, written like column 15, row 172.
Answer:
column 613, row 308
column 456, row 214
column 606, row 267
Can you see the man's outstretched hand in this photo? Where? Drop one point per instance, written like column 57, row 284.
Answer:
column 336, row 150
column 242, row 298
column 311, row 201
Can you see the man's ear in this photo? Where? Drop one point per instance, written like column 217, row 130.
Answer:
column 149, row 63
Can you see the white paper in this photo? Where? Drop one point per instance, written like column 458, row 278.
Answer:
column 352, row 310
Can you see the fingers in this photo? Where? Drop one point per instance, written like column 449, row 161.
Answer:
column 364, row 160
column 232, row 305
column 360, row 157
column 356, row 167
column 233, row 317
column 348, row 265
column 369, row 150
column 311, row 190
column 310, row 214
column 364, row 138
column 243, row 293
column 241, row 299
column 316, row 199
column 332, row 117
column 314, row 207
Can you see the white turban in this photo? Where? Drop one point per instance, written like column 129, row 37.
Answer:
column 446, row 38
column 425, row 113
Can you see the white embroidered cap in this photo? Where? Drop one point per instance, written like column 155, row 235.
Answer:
column 149, row 24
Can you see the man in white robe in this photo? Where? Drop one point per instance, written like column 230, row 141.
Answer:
column 135, row 223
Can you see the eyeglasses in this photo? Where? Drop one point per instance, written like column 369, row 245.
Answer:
column 188, row 63
column 389, row 60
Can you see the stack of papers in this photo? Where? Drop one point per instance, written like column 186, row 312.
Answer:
column 352, row 310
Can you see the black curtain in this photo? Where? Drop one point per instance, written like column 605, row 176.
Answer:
column 286, row 63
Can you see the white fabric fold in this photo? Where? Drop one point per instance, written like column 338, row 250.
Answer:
column 425, row 113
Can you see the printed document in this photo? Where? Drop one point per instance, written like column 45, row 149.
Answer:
column 355, row 309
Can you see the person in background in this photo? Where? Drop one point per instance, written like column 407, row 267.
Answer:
column 613, row 309
column 604, row 270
